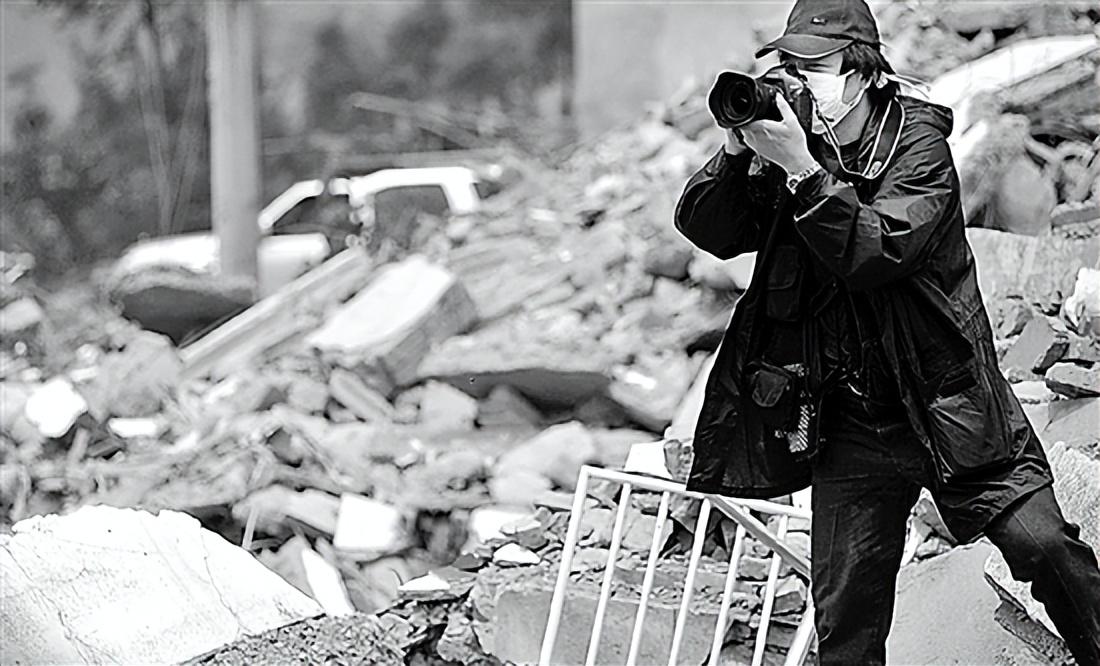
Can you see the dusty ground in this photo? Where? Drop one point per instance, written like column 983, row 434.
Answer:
column 353, row 639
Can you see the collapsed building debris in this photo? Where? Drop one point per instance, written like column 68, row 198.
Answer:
column 418, row 464
column 186, row 590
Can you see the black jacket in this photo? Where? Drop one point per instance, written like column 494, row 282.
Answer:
column 897, row 237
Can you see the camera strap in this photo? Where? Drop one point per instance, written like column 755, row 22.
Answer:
column 887, row 134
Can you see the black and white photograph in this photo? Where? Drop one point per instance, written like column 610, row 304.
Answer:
column 556, row 332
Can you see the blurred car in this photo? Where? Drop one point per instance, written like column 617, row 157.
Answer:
column 165, row 283
column 313, row 219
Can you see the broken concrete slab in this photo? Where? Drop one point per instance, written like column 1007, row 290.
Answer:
column 54, row 407
column 515, row 555
column 1011, row 315
column 486, row 523
column 517, row 605
column 1075, row 422
column 504, row 407
column 648, row 458
column 1042, row 343
column 552, row 356
column 683, row 423
column 326, row 584
column 1074, row 381
column 527, row 532
column 185, row 590
column 557, row 453
column 294, row 309
column 651, row 389
column 367, row 528
column 1077, row 486
column 423, row 304
column 287, row 562
column 518, row 487
column 1032, row 392
column 444, row 407
column 1042, row 269
column 1082, row 349
column 429, row 587
column 965, row 630
column 791, row 594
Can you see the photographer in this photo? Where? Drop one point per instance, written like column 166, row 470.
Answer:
column 860, row 361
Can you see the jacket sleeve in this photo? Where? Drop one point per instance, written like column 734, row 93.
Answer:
column 870, row 244
column 722, row 207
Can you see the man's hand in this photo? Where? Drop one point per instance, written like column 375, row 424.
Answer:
column 782, row 142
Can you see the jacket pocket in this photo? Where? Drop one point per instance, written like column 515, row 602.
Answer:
column 784, row 280
column 962, row 425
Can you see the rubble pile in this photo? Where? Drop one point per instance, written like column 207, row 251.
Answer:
column 497, row 596
column 404, row 438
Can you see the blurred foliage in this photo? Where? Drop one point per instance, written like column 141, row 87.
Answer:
column 134, row 160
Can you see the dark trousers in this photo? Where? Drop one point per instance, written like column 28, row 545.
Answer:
column 867, row 477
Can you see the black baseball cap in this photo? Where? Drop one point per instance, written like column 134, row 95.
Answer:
column 817, row 28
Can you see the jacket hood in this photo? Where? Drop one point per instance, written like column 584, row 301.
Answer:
column 939, row 117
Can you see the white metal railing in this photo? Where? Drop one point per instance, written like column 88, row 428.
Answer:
column 738, row 511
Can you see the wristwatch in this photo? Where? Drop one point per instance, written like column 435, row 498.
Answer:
column 795, row 179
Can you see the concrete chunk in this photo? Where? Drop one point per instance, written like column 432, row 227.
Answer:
column 353, row 393
column 505, row 406
column 651, row 389
column 20, row 318
column 135, row 381
column 1042, row 343
column 106, row 585
column 513, row 554
column 444, row 407
column 276, row 506
column 965, row 630
column 1075, row 422
column 556, row 453
column 553, row 362
column 368, row 528
column 54, row 407
column 1074, row 381
column 1042, row 269
column 397, row 318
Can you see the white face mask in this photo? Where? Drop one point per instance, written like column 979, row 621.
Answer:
column 828, row 90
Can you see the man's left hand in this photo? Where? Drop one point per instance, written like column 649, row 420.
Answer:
column 782, row 142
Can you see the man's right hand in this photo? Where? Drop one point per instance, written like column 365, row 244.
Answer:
column 734, row 145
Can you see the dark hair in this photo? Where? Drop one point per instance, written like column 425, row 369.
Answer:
column 867, row 61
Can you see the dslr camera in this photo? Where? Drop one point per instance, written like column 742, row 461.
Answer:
column 738, row 99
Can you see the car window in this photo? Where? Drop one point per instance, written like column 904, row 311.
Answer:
column 315, row 213
column 403, row 204
column 398, row 211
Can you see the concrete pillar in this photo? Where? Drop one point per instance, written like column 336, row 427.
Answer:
column 234, row 133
